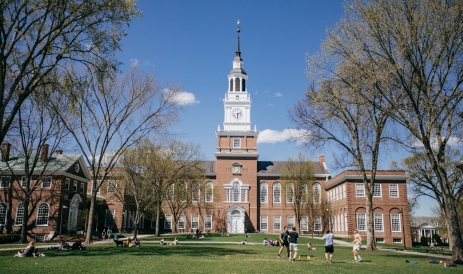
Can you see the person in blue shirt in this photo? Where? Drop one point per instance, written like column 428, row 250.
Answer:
column 329, row 248
column 284, row 241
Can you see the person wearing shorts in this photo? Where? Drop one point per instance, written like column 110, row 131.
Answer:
column 329, row 247
column 357, row 244
column 293, row 236
column 284, row 241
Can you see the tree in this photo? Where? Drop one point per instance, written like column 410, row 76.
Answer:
column 297, row 177
column 335, row 113
column 38, row 37
column 108, row 114
column 413, row 50
column 37, row 134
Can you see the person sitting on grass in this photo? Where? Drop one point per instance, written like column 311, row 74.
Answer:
column 310, row 247
column 77, row 245
column 65, row 246
column 29, row 251
column 162, row 242
column 136, row 242
column 175, row 242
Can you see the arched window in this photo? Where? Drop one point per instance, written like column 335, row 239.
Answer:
column 289, row 193
column 316, row 193
column 263, row 192
column 19, row 214
column 304, row 192
column 2, row 214
column 237, row 84
column 208, row 191
column 276, row 193
column 236, row 192
column 182, row 191
column 231, row 84
column 244, row 85
column 195, row 192
column 42, row 215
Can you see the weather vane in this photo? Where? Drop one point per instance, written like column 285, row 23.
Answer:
column 238, row 24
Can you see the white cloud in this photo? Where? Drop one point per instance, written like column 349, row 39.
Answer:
column 185, row 98
column 453, row 141
column 134, row 62
column 277, row 94
column 274, row 136
column 146, row 63
column 269, row 105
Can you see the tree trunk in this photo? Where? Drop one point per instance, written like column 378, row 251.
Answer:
column 454, row 231
column 25, row 220
column 158, row 208
column 91, row 214
column 370, row 223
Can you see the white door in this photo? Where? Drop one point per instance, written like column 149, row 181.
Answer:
column 73, row 212
column 236, row 222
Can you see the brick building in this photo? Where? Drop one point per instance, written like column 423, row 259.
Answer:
column 241, row 192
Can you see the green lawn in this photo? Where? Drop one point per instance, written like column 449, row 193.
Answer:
column 203, row 256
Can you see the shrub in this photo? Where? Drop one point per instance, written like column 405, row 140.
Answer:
column 424, row 241
column 9, row 238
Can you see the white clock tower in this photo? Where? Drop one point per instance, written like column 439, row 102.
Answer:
column 237, row 135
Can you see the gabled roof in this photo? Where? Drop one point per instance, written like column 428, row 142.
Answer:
column 273, row 168
column 56, row 164
column 425, row 221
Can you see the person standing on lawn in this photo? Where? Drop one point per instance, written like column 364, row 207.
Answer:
column 284, row 241
column 293, row 236
column 329, row 247
column 357, row 244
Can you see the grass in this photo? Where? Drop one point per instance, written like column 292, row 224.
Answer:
column 204, row 256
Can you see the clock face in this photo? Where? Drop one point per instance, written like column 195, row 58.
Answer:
column 77, row 168
column 237, row 113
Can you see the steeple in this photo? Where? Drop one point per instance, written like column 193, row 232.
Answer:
column 238, row 51
column 238, row 61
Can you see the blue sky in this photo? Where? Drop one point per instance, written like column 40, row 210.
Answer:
column 193, row 43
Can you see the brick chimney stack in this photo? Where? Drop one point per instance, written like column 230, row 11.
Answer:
column 44, row 153
column 321, row 160
column 6, row 152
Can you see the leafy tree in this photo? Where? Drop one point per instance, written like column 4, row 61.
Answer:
column 39, row 37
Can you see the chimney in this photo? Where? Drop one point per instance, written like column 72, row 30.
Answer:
column 44, row 153
column 321, row 159
column 59, row 152
column 6, row 152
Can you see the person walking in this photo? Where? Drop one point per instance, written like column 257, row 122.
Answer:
column 329, row 247
column 103, row 234
column 284, row 241
column 357, row 244
column 293, row 236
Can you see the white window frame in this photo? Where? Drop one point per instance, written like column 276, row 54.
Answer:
column 40, row 237
column 289, row 193
column 227, row 195
column 264, row 223
column 380, row 240
column 244, row 195
column 181, row 221
column 67, row 184
column 47, row 182
column 316, row 193
column 276, row 193
column 195, row 192
column 23, row 182
column 236, row 142
column 82, row 187
column 74, row 186
column 277, row 223
column 3, row 211
column 111, row 187
column 304, row 193
column 208, row 222
column 393, row 193
column 43, row 214
column 168, row 221
column 290, row 222
column 359, row 190
column 377, row 190
column 304, row 223
column 378, row 222
column 397, row 240
column 6, row 181
column 263, row 192
column 236, row 192
column 194, row 221
column 396, row 223
column 344, row 191
column 362, row 221
column 317, row 223
column 208, row 192
column 18, row 220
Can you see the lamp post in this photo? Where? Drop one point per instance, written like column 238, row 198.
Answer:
column 401, row 211
column 61, row 223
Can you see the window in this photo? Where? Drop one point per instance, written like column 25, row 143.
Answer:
column 170, row 193
column 361, row 222
column 227, row 195
column 243, row 87
column 236, row 192
column 237, row 84
column 182, row 192
column 19, row 214
column 289, row 193
column 380, row 240
column 317, row 223
column 208, row 222
column 168, row 222
column 290, row 222
column 195, row 192
column 112, row 187
column 377, row 190
column 231, row 85
column 360, row 190
column 244, row 197
column 24, row 182
column 316, row 193
column 378, row 222
column 74, row 186
column 109, row 218
column 263, row 222
column 305, row 224
column 153, row 224
column 336, row 194
column 208, row 192
column 42, row 215
column 46, row 182
column 67, row 184
column 276, row 193
column 181, row 221
column 82, row 188
column 395, row 222
column 2, row 214
column 277, row 223
column 237, row 142
column 393, row 190
column 40, row 237
column 304, row 192
column 344, row 190
column 263, row 192
column 5, row 182
column 397, row 240
column 194, row 221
